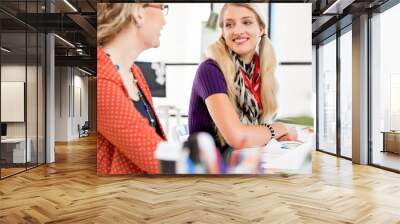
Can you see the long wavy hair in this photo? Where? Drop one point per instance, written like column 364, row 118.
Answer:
column 219, row 52
column 112, row 18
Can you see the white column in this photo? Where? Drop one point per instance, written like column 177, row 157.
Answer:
column 50, row 92
column 360, row 90
column 50, row 99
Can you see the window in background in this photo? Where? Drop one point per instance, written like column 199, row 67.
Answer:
column 327, row 96
column 385, row 85
column 346, row 94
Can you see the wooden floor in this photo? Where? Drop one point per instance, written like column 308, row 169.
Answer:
column 387, row 159
column 10, row 171
column 70, row 192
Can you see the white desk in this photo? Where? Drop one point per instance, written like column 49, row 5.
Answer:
column 18, row 149
column 276, row 158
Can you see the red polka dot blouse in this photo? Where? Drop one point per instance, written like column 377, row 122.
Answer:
column 126, row 142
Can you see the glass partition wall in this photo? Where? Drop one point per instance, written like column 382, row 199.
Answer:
column 22, row 88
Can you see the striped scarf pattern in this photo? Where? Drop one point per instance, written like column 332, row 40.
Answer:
column 247, row 85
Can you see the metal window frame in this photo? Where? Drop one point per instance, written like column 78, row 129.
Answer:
column 334, row 37
column 44, row 73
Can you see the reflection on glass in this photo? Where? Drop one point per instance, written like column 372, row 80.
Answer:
column 14, row 146
column 346, row 94
column 327, row 97
column 386, row 89
column 23, row 85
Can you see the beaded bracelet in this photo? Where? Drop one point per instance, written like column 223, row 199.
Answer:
column 271, row 129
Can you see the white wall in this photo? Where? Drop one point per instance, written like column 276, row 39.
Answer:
column 14, row 73
column 292, row 41
column 61, row 103
column 70, row 84
column 180, row 37
column 17, row 73
column 33, row 126
column 180, row 43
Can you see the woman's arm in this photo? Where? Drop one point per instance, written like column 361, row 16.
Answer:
column 233, row 131
column 124, row 127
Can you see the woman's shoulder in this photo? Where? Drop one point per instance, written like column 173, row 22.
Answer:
column 209, row 67
column 209, row 63
column 209, row 79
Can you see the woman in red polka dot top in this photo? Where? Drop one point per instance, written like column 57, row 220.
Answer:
column 128, row 127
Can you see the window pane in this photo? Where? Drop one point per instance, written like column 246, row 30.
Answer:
column 346, row 94
column 386, row 89
column 327, row 97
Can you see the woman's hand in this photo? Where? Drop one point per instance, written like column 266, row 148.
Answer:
column 284, row 132
column 290, row 136
column 280, row 129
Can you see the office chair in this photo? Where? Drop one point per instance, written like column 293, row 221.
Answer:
column 84, row 130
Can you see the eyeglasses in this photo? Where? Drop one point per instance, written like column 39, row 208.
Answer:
column 164, row 8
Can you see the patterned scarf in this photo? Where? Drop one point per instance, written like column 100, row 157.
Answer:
column 247, row 84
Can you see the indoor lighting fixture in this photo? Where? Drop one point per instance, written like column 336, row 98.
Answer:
column 70, row 5
column 64, row 40
column 337, row 7
column 5, row 50
column 86, row 72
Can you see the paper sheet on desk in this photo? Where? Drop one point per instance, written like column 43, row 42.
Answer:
column 277, row 159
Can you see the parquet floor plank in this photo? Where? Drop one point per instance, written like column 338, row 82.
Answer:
column 69, row 191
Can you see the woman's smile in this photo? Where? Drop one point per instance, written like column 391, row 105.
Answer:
column 240, row 40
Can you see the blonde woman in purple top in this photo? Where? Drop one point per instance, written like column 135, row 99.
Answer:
column 234, row 91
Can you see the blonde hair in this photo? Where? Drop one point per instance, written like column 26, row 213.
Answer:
column 112, row 18
column 219, row 52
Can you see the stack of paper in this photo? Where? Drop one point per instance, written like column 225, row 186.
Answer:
column 287, row 157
